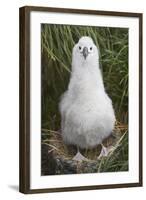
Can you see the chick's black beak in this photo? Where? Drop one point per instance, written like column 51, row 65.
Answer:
column 85, row 52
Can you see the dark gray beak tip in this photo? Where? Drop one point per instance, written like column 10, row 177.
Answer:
column 85, row 52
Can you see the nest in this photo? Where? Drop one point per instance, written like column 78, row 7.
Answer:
column 57, row 157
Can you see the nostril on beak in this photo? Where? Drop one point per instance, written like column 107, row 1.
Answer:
column 85, row 52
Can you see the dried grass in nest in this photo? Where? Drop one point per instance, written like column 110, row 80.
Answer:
column 60, row 150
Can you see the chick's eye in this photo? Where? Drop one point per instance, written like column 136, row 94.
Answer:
column 80, row 47
column 90, row 48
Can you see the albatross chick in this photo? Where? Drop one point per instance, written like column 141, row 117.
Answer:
column 87, row 115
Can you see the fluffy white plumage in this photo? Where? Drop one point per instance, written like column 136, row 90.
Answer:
column 86, row 110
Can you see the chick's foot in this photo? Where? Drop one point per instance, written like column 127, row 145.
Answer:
column 79, row 157
column 105, row 151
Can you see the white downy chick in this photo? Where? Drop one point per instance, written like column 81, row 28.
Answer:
column 87, row 115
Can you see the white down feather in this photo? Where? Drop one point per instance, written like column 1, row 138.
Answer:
column 87, row 115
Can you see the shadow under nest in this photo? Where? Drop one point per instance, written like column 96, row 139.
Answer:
column 56, row 157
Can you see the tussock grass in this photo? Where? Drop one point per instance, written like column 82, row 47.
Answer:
column 57, row 42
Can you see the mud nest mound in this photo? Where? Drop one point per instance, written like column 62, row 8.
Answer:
column 56, row 157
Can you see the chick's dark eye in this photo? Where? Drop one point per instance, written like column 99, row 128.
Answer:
column 79, row 48
column 91, row 48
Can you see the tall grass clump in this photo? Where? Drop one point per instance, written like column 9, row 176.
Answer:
column 57, row 42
